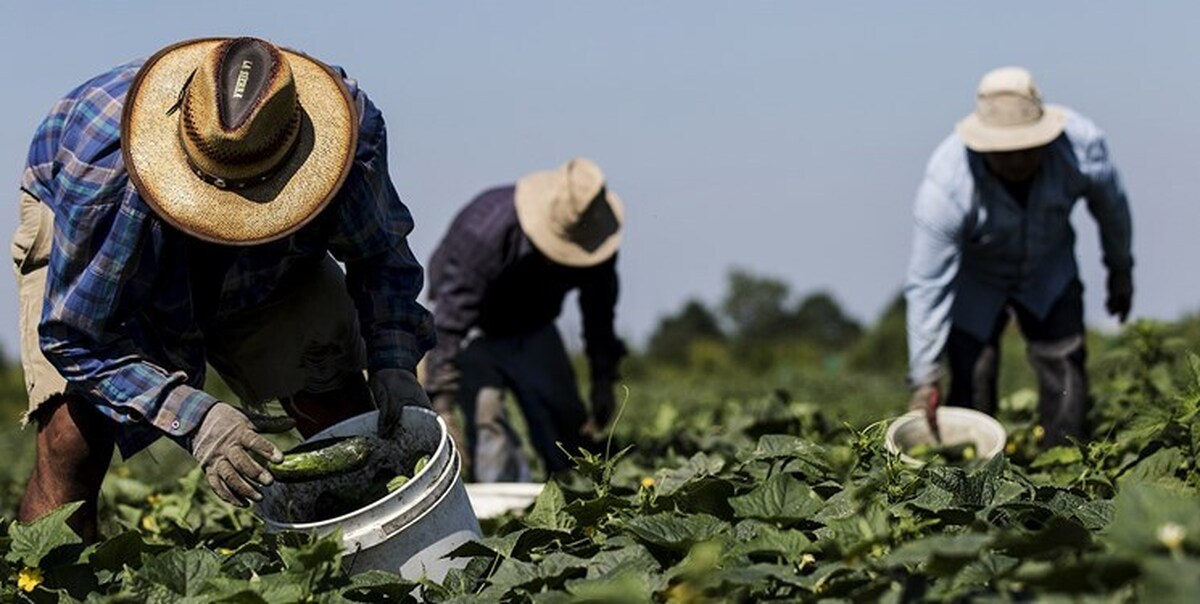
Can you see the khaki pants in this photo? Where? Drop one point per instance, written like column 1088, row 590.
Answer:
column 304, row 338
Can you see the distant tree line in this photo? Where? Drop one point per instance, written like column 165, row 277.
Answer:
column 758, row 323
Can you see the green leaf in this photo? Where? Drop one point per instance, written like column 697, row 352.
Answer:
column 1057, row 456
column 553, row 569
column 1159, row 466
column 515, row 544
column 782, row 498
column 631, row 557
column 321, row 554
column 1143, row 510
column 1168, row 580
column 1059, row 533
column 967, row 545
column 549, row 510
column 625, row 587
column 698, row 466
column 32, row 542
column 229, row 590
column 754, row 538
column 125, row 549
column 182, row 572
column 678, row 532
column 377, row 586
column 589, row 512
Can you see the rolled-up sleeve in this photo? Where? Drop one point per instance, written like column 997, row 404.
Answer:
column 932, row 270
column 102, row 265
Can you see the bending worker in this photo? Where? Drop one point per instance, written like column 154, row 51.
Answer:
column 182, row 210
column 498, row 280
column 993, row 237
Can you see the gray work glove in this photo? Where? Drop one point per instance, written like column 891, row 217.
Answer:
column 1120, row 294
column 224, row 444
column 927, row 398
column 393, row 390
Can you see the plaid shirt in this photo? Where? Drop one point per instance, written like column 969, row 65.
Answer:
column 486, row 274
column 123, row 316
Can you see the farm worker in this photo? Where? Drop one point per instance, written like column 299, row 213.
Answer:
column 498, row 279
column 183, row 209
column 993, row 238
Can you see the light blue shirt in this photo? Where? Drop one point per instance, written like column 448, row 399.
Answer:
column 975, row 248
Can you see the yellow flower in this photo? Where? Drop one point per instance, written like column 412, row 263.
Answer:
column 647, row 482
column 224, row 551
column 1010, row 448
column 1171, row 535
column 29, row 578
column 149, row 524
column 154, row 499
column 1039, row 432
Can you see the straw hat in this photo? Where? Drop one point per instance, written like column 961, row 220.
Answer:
column 569, row 214
column 236, row 141
column 1009, row 114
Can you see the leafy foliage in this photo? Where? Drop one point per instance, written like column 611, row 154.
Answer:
column 766, row 500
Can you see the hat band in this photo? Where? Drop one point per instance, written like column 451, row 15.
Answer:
column 237, row 184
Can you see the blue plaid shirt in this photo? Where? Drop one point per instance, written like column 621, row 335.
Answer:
column 121, row 321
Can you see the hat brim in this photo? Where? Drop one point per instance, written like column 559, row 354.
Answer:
column 983, row 138
column 294, row 195
column 533, row 214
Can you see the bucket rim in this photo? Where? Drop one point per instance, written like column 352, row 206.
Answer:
column 334, row 522
column 983, row 420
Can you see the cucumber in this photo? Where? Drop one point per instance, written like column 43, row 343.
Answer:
column 321, row 459
column 397, row 482
column 420, row 465
column 949, row 453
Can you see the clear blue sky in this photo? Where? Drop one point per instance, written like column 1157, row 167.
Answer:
column 787, row 138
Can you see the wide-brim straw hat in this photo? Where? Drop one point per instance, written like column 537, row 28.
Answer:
column 237, row 141
column 569, row 214
column 1009, row 114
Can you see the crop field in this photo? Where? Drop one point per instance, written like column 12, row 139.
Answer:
column 725, row 486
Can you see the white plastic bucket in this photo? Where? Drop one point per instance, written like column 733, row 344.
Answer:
column 957, row 425
column 410, row 530
column 491, row 499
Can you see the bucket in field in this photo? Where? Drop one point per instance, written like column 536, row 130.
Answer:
column 408, row 531
column 958, row 425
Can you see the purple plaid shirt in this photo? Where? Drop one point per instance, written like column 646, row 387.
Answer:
column 123, row 316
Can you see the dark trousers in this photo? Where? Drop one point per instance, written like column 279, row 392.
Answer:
column 1055, row 348
column 535, row 368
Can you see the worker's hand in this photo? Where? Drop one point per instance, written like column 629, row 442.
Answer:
column 223, row 444
column 1120, row 294
column 926, row 398
column 603, row 403
column 393, row 390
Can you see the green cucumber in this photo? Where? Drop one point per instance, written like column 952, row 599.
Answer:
column 321, row 459
column 397, row 482
column 420, row 465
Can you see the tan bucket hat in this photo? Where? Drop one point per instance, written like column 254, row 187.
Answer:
column 569, row 214
column 235, row 140
column 1009, row 114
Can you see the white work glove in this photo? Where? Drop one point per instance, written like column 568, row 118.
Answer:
column 393, row 390
column 223, row 444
